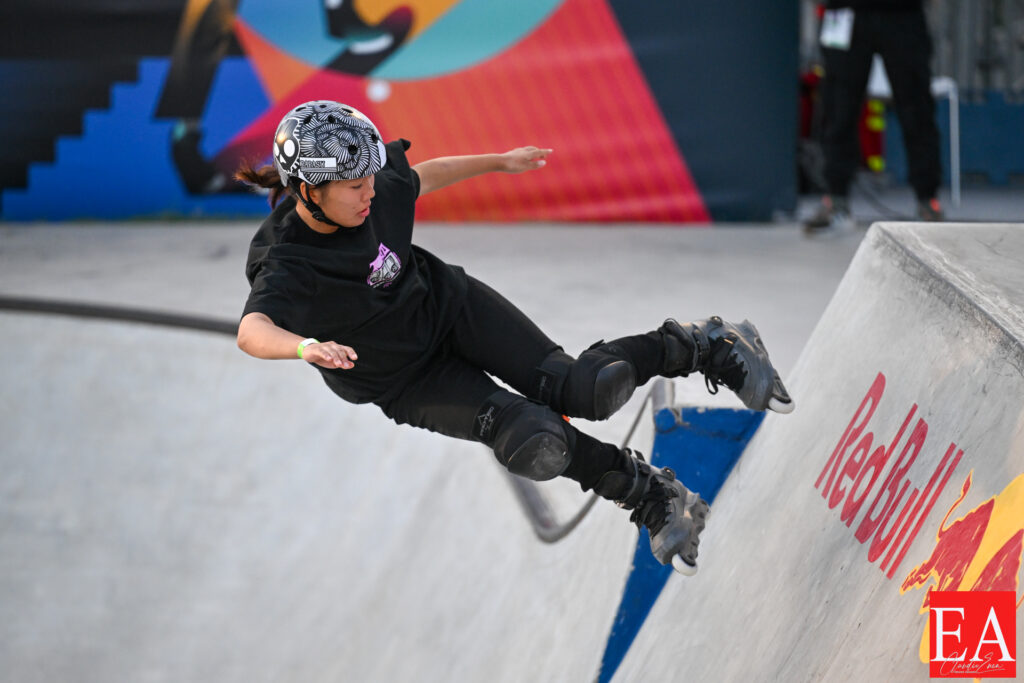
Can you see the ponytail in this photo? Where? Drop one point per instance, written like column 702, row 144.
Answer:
column 265, row 177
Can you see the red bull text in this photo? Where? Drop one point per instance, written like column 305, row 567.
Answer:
column 897, row 509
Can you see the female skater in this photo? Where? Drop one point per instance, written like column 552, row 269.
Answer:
column 337, row 283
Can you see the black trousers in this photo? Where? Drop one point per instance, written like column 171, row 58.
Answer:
column 493, row 337
column 902, row 40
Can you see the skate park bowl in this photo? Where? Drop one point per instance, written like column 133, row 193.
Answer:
column 174, row 511
column 839, row 518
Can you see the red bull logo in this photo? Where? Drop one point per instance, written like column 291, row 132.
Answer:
column 973, row 572
column 880, row 501
column 981, row 551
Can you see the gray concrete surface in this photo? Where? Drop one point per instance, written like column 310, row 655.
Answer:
column 581, row 283
column 176, row 511
column 172, row 510
column 793, row 591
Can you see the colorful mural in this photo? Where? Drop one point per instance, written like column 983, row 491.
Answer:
column 162, row 134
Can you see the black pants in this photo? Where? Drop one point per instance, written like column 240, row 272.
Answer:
column 902, row 40
column 493, row 337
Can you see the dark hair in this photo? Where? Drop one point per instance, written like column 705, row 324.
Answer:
column 265, row 177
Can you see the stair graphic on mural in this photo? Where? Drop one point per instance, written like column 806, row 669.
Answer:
column 117, row 163
column 54, row 96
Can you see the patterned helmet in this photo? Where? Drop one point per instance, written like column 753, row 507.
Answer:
column 322, row 141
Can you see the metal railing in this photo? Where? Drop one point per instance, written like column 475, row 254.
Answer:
column 78, row 309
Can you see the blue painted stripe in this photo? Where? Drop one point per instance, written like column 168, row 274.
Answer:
column 702, row 445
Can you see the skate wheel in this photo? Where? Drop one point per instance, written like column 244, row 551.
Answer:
column 682, row 566
column 778, row 406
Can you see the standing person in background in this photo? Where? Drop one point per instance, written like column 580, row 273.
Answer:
column 336, row 282
column 852, row 32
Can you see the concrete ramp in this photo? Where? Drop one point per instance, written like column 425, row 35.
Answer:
column 171, row 510
column 825, row 539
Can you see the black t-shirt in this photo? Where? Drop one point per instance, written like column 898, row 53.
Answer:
column 367, row 287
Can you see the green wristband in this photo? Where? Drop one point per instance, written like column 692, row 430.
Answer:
column 303, row 344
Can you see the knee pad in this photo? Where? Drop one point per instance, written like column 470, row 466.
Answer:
column 528, row 439
column 593, row 386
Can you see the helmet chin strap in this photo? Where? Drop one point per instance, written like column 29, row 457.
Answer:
column 311, row 206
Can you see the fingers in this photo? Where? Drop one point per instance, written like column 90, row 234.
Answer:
column 537, row 156
column 527, row 158
column 331, row 355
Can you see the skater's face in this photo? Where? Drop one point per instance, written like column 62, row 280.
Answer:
column 346, row 202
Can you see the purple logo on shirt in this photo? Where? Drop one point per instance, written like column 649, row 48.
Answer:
column 385, row 268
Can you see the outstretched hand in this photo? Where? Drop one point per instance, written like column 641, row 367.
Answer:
column 524, row 159
column 330, row 355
